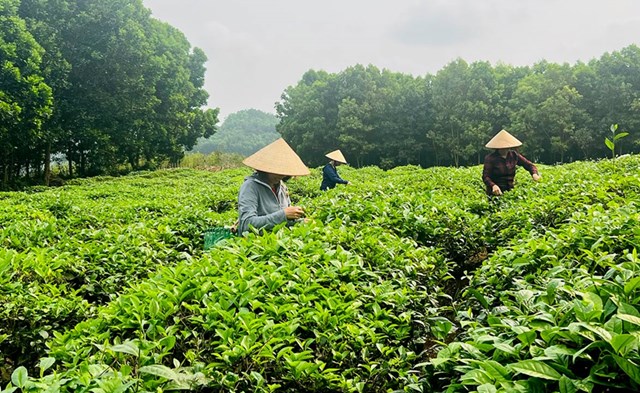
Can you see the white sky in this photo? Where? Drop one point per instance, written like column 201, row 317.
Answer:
column 257, row 48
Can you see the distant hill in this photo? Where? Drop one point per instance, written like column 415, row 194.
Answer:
column 243, row 132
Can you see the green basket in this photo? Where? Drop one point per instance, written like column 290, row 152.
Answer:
column 214, row 236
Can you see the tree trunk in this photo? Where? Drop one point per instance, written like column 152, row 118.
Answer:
column 83, row 164
column 47, row 164
column 69, row 155
column 5, row 176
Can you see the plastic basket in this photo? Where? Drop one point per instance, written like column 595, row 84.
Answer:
column 214, row 236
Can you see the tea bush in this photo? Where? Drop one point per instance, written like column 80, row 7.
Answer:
column 407, row 280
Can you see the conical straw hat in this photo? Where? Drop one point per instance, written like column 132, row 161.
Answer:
column 336, row 155
column 277, row 158
column 503, row 140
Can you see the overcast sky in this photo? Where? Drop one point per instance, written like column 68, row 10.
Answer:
column 256, row 48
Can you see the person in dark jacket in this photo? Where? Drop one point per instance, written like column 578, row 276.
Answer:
column 263, row 201
column 499, row 169
column 330, row 175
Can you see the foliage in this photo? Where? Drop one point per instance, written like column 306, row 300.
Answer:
column 212, row 161
column 411, row 281
column 243, row 133
column 25, row 97
column 611, row 143
column 378, row 117
column 100, row 82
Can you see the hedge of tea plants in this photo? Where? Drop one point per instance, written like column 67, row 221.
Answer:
column 407, row 280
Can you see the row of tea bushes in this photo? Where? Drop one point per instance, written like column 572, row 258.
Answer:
column 66, row 251
column 360, row 299
column 558, row 311
column 295, row 310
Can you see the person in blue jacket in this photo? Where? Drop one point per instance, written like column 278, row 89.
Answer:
column 263, row 201
column 330, row 175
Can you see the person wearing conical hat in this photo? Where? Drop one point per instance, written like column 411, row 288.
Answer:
column 330, row 175
column 500, row 166
column 263, row 201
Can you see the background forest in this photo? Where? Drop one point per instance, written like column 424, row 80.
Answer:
column 243, row 132
column 100, row 83
column 105, row 88
column 561, row 112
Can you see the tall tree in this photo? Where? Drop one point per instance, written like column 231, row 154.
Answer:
column 128, row 88
column 243, row 132
column 463, row 98
column 548, row 111
column 25, row 98
column 308, row 115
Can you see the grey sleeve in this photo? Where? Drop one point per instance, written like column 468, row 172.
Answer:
column 248, row 211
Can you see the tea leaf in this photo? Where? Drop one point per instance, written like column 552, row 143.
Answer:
column 160, row 371
column 566, row 385
column 624, row 343
column 629, row 318
column 630, row 368
column 534, row 368
column 19, row 377
column 126, row 347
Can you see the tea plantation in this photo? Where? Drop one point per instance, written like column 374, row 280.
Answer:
column 409, row 280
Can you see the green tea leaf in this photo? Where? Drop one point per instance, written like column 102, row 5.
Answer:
column 527, row 338
column 534, row 368
column 126, row 347
column 19, row 377
column 631, row 285
column 626, row 308
column 475, row 377
column 505, row 348
column 630, row 368
column 624, row 343
column 629, row 318
column 620, row 135
column 479, row 297
column 566, row 385
column 609, row 144
column 495, row 370
column 487, row 388
column 45, row 363
column 160, row 371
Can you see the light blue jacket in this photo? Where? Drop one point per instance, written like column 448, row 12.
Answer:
column 259, row 206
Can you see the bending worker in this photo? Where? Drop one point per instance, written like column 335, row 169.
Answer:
column 499, row 169
column 263, row 201
column 330, row 175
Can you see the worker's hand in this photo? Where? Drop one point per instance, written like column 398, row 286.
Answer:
column 536, row 177
column 496, row 190
column 293, row 212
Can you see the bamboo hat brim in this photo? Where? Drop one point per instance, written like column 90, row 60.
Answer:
column 277, row 158
column 503, row 140
column 336, row 155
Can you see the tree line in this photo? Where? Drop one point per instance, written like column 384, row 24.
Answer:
column 561, row 112
column 104, row 87
column 98, row 82
column 243, row 132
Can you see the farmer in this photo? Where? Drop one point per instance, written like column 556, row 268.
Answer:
column 263, row 201
column 500, row 166
column 330, row 175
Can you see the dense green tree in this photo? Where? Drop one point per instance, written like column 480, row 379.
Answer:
column 463, row 98
column 308, row 115
column 561, row 112
column 243, row 132
column 616, row 95
column 113, row 89
column 548, row 112
column 128, row 88
column 25, row 98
